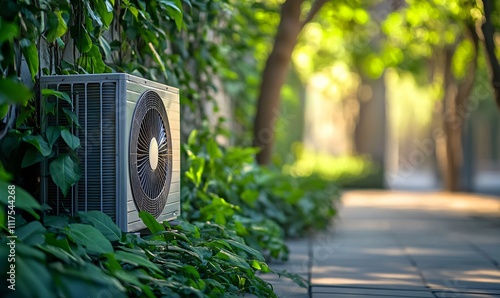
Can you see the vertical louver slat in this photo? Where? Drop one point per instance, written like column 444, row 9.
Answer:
column 108, row 146
column 93, row 157
column 81, row 95
column 100, row 144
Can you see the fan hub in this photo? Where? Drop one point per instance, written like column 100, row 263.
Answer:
column 153, row 154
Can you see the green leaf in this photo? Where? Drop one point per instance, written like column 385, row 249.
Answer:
column 82, row 38
column 56, row 26
column 71, row 116
column 191, row 270
column 90, row 238
column 13, row 92
column 3, row 219
column 94, row 16
column 24, row 200
column 250, row 196
column 52, row 134
column 87, row 281
column 40, row 144
column 105, row 11
column 70, row 139
column 159, row 60
column 133, row 11
column 106, row 48
column 25, row 114
column 58, row 240
column 103, row 223
column 151, row 222
column 34, row 273
column 174, row 11
column 8, row 31
column 30, row 53
column 232, row 259
column 171, row 4
column 128, row 277
column 4, row 109
column 255, row 264
column 172, row 236
column 65, row 172
column 60, row 43
column 251, row 251
column 299, row 280
column 136, row 260
column 62, row 254
column 96, row 64
column 213, row 149
column 192, row 138
column 188, row 229
column 56, row 221
column 31, row 233
column 196, row 170
column 62, row 95
column 4, row 175
column 31, row 157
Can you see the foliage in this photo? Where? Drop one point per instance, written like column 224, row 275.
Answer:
column 88, row 36
column 262, row 205
column 170, row 42
column 88, row 255
column 345, row 171
column 251, row 31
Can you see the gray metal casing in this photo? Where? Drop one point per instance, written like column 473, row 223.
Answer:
column 104, row 151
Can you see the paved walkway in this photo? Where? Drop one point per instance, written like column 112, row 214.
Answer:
column 401, row 244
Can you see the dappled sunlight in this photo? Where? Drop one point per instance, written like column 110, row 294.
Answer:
column 434, row 201
column 419, row 251
column 386, row 276
column 483, row 275
column 371, row 281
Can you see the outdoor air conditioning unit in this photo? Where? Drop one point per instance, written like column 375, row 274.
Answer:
column 130, row 147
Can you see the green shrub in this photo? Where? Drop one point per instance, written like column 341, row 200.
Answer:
column 262, row 205
column 88, row 255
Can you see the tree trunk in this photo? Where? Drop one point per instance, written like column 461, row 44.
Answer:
column 455, row 113
column 488, row 34
column 370, row 130
column 275, row 72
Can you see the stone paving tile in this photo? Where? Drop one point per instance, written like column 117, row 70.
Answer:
column 480, row 278
column 452, row 263
column 396, row 244
column 370, row 291
column 342, row 295
column 285, row 287
column 365, row 277
column 460, row 283
column 463, row 295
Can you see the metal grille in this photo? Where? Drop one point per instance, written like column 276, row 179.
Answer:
column 150, row 184
column 95, row 107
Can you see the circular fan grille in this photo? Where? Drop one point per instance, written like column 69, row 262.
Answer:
column 150, row 154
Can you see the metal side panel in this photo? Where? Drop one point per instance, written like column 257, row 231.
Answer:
column 123, row 128
column 170, row 212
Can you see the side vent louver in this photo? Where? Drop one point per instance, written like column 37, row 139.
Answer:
column 95, row 106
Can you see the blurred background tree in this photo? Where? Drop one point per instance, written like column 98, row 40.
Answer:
column 352, row 59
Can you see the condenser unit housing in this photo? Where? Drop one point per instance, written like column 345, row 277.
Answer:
column 129, row 131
